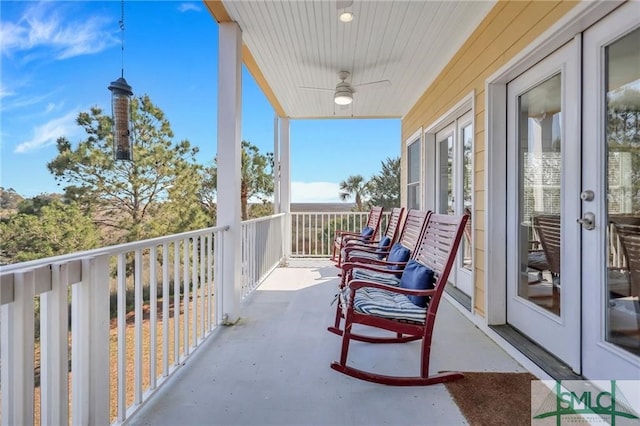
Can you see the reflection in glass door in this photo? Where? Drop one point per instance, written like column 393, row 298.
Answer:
column 540, row 148
column 622, row 131
column 454, row 189
column 543, row 203
column 611, row 192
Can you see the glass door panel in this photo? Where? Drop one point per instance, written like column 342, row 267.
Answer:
column 466, row 135
column 543, row 203
column 445, row 175
column 622, row 158
column 611, row 192
column 540, row 148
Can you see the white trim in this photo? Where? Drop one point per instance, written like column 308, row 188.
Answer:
column 564, row 30
column 285, row 180
column 416, row 137
column 460, row 108
column 229, row 162
column 429, row 137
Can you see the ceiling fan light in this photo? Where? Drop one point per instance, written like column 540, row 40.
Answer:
column 346, row 16
column 343, row 98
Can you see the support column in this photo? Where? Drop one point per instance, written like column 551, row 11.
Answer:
column 285, row 182
column 276, row 167
column 229, row 165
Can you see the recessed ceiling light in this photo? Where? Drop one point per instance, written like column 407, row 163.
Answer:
column 346, row 16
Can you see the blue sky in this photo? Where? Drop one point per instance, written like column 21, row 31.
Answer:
column 57, row 59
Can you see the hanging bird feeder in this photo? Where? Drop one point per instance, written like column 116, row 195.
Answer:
column 120, row 104
column 120, row 107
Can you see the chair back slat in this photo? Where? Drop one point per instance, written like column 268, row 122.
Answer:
column 374, row 219
column 413, row 228
column 393, row 225
column 629, row 235
column 548, row 228
column 440, row 242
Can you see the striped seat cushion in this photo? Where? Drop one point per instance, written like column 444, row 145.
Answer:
column 358, row 253
column 379, row 277
column 386, row 304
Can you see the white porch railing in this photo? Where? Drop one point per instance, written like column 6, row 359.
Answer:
column 312, row 233
column 85, row 339
column 262, row 249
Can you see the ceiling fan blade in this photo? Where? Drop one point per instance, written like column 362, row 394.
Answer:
column 343, row 4
column 374, row 84
column 317, row 88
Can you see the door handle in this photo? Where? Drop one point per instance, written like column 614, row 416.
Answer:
column 588, row 221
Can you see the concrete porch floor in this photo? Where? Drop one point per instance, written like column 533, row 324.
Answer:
column 272, row 368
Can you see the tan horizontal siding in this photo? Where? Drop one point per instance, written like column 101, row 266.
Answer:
column 508, row 28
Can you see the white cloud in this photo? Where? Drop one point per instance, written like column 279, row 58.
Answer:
column 315, row 192
column 42, row 26
column 185, row 7
column 47, row 133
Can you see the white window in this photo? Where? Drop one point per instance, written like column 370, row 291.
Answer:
column 413, row 173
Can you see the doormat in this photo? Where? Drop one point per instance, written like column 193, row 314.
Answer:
column 493, row 398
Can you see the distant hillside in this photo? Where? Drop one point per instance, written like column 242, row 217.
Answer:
column 321, row 207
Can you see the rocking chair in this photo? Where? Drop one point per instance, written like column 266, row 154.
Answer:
column 367, row 233
column 375, row 249
column 390, row 263
column 407, row 309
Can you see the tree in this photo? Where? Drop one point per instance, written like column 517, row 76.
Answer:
column 357, row 187
column 9, row 198
column 256, row 178
column 129, row 197
column 385, row 186
column 58, row 228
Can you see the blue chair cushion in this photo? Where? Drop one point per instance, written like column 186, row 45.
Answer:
column 398, row 253
column 383, row 245
column 366, row 232
column 416, row 276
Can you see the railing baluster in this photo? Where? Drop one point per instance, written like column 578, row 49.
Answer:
column 138, row 300
column 54, row 349
column 153, row 317
column 203, row 257
column 194, row 281
column 165, row 309
column 176, row 303
column 186, row 297
column 122, row 337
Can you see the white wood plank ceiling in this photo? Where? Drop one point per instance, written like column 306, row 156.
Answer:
column 299, row 44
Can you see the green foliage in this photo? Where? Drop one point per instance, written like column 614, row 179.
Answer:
column 139, row 199
column 256, row 179
column 261, row 210
column 34, row 205
column 9, row 198
column 385, row 187
column 57, row 229
column 357, row 187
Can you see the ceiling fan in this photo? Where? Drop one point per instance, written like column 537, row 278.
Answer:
column 343, row 93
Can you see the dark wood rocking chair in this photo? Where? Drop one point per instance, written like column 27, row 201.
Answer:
column 547, row 257
column 412, row 230
column 375, row 248
column 383, row 306
column 367, row 233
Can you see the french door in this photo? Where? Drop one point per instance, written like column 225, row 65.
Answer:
column 611, row 196
column 543, row 203
column 454, row 189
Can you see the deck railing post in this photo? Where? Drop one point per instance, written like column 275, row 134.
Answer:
column 90, row 343
column 17, row 353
